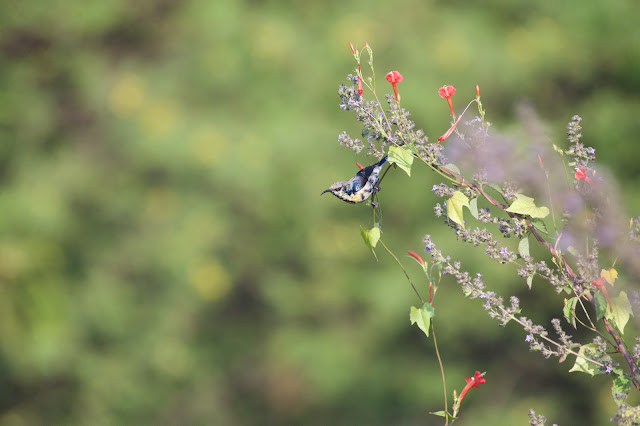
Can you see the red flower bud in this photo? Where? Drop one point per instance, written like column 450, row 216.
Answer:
column 353, row 49
column 448, row 132
column 416, row 256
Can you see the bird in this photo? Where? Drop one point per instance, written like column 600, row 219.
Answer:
column 361, row 186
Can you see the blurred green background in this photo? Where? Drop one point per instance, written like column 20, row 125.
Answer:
column 165, row 257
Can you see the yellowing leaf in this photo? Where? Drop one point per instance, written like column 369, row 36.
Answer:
column 524, row 205
column 454, row 207
column 609, row 275
column 402, row 157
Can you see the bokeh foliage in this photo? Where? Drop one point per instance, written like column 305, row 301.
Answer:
column 165, row 257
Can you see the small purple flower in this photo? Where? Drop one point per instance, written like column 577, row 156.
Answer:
column 479, row 274
column 607, row 369
column 435, row 187
column 528, row 338
column 504, row 252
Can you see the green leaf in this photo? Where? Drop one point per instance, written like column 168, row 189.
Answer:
column 442, row 413
column 570, row 310
column 523, row 247
column 529, row 281
column 621, row 384
column 371, row 238
column 402, row 157
column 524, row 205
column 621, row 309
column 473, row 207
column 601, row 305
column 582, row 365
column 495, row 187
column 540, row 226
column 454, row 207
column 422, row 317
column 453, row 168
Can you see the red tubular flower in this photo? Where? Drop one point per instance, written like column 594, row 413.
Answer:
column 477, row 91
column 472, row 382
column 540, row 161
column 448, row 132
column 446, row 92
column 416, row 256
column 394, row 77
column 581, row 174
column 353, row 49
column 359, row 81
column 359, row 165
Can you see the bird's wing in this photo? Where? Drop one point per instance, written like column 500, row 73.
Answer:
column 359, row 181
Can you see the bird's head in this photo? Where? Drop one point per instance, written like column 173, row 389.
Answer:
column 336, row 189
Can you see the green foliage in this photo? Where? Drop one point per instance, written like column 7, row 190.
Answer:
column 371, row 238
column 455, row 205
column 570, row 310
column 524, row 205
column 402, row 157
column 582, row 365
column 620, row 311
column 422, row 317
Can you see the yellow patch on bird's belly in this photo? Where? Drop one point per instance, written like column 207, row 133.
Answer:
column 359, row 197
column 354, row 198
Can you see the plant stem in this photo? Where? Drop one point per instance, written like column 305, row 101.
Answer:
column 444, row 383
column 403, row 270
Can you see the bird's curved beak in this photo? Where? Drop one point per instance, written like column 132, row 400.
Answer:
column 326, row 190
